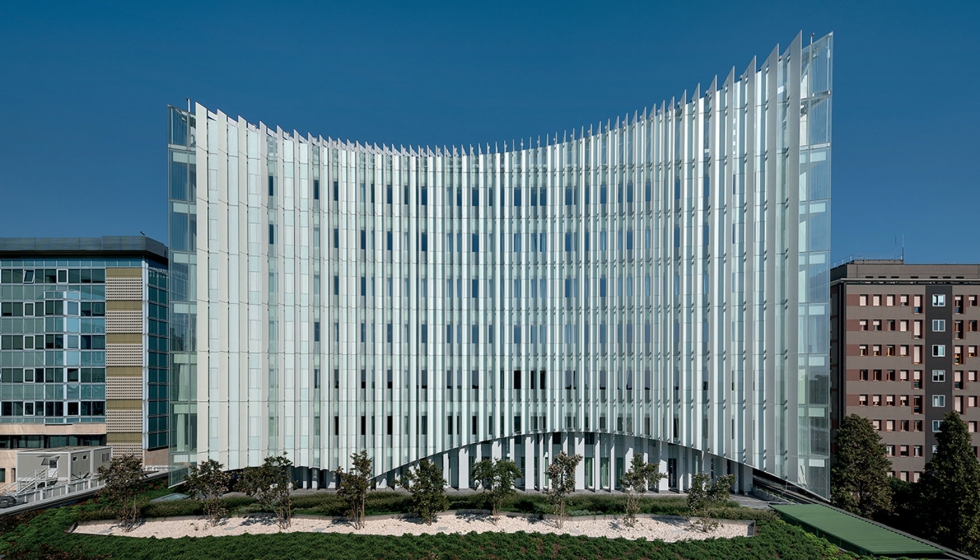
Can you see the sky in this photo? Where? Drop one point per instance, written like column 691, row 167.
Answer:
column 84, row 88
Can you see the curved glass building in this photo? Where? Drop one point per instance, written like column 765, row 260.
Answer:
column 657, row 284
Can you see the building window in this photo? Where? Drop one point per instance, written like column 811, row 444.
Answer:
column 876, row 325
column 863, row 350
column 938, row 350
column 876, row 350
column 863, row 375
column 938, row 375
column 863, row 300
column 890, row 450
column 939, row 300
column 917, row 451
column 876, row 300
column 863, row 325
column 903, row 300
column 938, row 325
column 936, row 424
column 875, row 400
column 862, row 400
column 938, row 401
column 890, row 300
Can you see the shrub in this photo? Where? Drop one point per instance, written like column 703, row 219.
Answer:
column 353, row 487
column 270, row 486
column 428, row 488
column 561, row 474
column 705, row 496
column 635, row 483
column 207, row 482
column 173, row 508
column 496, row 476
column 124, row 481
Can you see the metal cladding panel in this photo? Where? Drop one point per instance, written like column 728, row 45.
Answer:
column 653, row 283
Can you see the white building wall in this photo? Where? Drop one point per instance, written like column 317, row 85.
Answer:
column 640, row 286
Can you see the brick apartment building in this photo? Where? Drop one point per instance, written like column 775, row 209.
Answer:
column 904, row 352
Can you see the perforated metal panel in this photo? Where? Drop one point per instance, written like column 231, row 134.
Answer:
column 121, row 322
column 120, row 449
column 124, row 421
column 130, row 289
column 124, row 388
column 124, row 355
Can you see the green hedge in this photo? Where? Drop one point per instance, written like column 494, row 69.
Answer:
column 386, row 503
column 44, row 537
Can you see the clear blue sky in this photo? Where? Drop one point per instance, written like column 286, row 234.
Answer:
column 84, row 87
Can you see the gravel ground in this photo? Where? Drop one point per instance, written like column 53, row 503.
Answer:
column 667, row 529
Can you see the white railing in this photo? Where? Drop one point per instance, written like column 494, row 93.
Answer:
column 40, row 477
column 44, row 493
column 33, row 494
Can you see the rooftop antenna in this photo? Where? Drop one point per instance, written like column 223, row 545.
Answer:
column 188, row 104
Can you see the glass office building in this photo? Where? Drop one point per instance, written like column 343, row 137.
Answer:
column 83, row 347
column 657, row 284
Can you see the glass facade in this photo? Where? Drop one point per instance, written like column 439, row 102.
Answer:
column 83, row 344
column 52, row 346
column 635, row 287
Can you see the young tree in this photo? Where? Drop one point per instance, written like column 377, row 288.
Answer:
column 270, row 486
column 949, row 490
column 207, row 482
column 353, row 487
column 635, row 482
column 859, row 477
column 123, row 477
column 497, row 477
column 561, row 472
column 705, row 495
column 428, row 489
